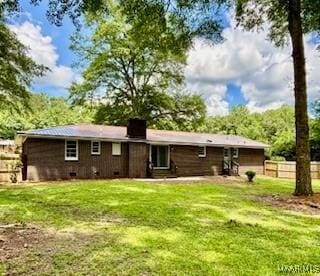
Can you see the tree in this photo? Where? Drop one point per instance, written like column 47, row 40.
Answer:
column 43, row 111
column 273, row 127
column 16, row 67
column 134, row 67
column 289, row 18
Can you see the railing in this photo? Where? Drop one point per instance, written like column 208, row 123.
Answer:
column 230, row 168
column 235, row 167
column 149, row 168
column 225, row 167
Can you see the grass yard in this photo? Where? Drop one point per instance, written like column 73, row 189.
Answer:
column 134, row 228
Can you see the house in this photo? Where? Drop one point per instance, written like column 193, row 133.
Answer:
column 96, row 151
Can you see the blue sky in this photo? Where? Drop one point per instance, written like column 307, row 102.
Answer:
column 245, row 69
column 60, row 35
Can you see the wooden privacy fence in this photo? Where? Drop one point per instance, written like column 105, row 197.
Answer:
column 9, row 167
column 287, row 169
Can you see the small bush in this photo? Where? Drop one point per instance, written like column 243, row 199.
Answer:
column 250, row 175
column 278, row 158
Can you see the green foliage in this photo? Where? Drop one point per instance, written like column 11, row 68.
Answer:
column 274, row 127
column 278, row 158
column 17, row 69
column 44, row 112
column 238, row 122
column 192, row 18
column 134, row 68
column 250, row 175
column 256, row 14
column 315, row 132
column 315, row 126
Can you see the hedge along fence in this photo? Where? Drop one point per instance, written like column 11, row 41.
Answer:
column 10, row 167
column 287, row 169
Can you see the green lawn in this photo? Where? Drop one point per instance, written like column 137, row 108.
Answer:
column 133, row 228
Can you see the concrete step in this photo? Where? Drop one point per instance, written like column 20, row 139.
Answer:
column 163, row 174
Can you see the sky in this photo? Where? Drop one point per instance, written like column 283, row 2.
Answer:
column 245, row 68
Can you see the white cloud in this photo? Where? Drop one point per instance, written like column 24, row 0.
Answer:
column 263, row 72
column 42, row 50
column 213, row 95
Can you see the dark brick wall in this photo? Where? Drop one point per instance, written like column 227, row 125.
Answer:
column 138, row 156
column 46, row 161
column 251, row 159
column 190, row 164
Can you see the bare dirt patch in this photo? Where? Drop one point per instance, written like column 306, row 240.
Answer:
column 17, row 238
column 29, row 249
column 306, row 204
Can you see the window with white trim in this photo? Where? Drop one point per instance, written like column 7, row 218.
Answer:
column 116, row 148
column 95, row 147
column 202, row 151
column 235, row 153
column 71, row 150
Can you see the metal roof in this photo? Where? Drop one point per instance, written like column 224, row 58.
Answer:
column 118, row 133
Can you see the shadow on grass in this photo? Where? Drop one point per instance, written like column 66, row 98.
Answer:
column 167, row 229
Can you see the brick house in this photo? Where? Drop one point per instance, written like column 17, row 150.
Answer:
column 96, row 151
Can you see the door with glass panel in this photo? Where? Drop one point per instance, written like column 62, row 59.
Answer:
column 160, row 156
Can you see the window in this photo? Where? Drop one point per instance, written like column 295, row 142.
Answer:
column 202, row 151
column 95, row 147
column 160, row 156
column 71, row 150
column 116, row 148
column 226, row 153
column 235, row 153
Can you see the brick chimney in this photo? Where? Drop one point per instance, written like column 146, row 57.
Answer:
column 137, row 128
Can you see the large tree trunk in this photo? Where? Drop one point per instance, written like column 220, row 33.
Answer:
column 303, row 175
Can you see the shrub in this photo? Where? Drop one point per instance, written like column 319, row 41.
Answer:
column 278, row 158
column 250, row 175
